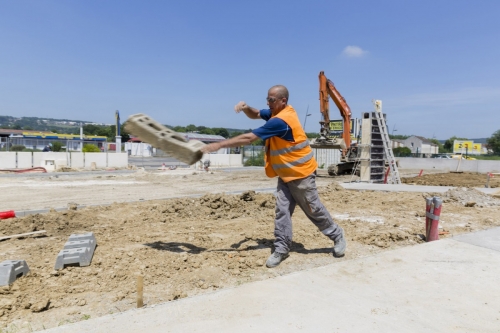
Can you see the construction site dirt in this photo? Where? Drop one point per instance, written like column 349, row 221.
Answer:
column 190, row 245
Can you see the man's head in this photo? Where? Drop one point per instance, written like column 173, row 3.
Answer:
column 277, row 98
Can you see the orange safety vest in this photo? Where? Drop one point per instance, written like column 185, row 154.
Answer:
column 289, row 160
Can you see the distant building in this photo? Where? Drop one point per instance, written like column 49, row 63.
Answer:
column 421, row 146
column 395, row 143
column 38, row 140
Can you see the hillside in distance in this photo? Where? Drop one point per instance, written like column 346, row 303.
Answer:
column 67, row 126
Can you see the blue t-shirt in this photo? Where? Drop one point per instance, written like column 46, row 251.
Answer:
column 273, row 127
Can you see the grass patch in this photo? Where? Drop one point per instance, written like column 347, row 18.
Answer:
column 487, row 157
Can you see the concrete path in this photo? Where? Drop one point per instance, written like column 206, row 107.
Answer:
column 450, row 285
column 408, row 188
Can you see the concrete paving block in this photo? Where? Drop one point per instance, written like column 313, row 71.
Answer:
column 10, row 270
column 84, row 236
column 80, row 243
column 79, row 249
column 80, row 255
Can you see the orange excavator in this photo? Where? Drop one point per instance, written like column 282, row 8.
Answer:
column 327, row 90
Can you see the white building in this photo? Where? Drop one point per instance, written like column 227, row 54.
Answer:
column 421, row 146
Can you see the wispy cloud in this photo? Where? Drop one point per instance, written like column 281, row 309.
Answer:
column 353, row 51
column 464, row 96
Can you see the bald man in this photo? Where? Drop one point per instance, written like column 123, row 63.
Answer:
column 290, row 158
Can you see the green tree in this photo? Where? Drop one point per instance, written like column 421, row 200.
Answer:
column 90, row 148
column 180, row 129
column 402, row 151
column 257, row 160
column 17, row 148
column 56, row 146
column 439, row 144
column 494, row 142
column 398, row 137
column 221, row 131
column 191, row 128
column 16, row 127
column 124, row 133
column 235, row 133
column 207, row 130
column 312, row 135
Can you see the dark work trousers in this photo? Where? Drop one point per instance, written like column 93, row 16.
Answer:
column 300, row 192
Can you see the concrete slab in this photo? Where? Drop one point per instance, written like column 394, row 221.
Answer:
column 395, row 187
column 489, row 239
column 489, row 190
column 442, row 286
column 408, row 188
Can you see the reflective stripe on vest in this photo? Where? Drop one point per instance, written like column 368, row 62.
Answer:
column 294, row 163
column 289, row 149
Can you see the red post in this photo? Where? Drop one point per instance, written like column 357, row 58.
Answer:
column 7, row 214
column 420, row 174
column 387, row 174
column 428, row 207
column 434, row 216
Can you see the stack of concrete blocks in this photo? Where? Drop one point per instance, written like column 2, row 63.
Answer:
column 79, row 249
column 372, row 154
column 10, row 270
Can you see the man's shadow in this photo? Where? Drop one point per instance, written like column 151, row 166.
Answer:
column 269, row 243
column 176, row 247
column 262, row 243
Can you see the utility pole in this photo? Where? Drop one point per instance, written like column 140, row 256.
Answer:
column 305, row 118
column 81, row 137
column 118, row 141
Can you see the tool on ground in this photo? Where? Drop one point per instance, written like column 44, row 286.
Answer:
column 433, row 208
column 23, row 235
column 140, row 290
column 159, row 136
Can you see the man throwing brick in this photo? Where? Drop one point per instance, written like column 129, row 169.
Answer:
column 290, row 158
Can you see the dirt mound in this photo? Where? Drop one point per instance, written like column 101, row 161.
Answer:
column 470, row 197
column 466, row 179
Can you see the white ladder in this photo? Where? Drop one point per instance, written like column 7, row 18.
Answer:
column 395, row 179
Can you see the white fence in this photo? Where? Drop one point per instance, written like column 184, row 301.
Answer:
column 481, row 166
column 54, row 160
column 326, row 157
column 221, row 160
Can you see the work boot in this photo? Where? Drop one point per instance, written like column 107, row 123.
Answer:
column 340, row 245
column 275, row 259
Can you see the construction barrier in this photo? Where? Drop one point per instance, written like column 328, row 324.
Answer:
column 7, row 214
column 481, row 166
column 432, row 213
column 52, row 161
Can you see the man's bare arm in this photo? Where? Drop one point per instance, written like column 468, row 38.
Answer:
column 249, row 111
column 237, row 141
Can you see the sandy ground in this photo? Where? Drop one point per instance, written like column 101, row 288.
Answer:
column 192, row 245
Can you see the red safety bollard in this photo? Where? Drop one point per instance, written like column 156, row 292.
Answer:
column 432, row 219
column 428, row 206
column 7, row 214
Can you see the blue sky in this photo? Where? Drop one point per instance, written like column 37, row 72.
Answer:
column 434, row 64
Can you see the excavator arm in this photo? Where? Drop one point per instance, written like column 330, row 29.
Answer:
column 327, row 89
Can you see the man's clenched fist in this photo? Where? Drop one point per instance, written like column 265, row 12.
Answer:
column 240, row 106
